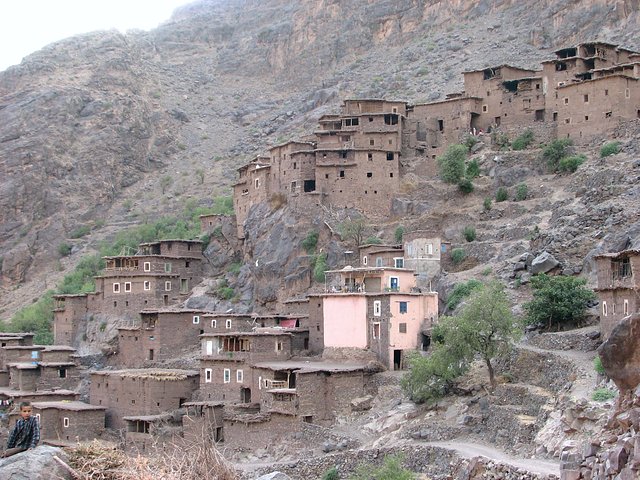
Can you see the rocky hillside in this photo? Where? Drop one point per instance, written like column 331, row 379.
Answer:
column 90, row 125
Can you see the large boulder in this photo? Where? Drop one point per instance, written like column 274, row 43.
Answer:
column 543, row 263
column 620, row 354
column 36, row 464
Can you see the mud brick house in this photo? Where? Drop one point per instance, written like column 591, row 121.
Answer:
column 39, row 367
column 65, row 422
column 143, row 433
column 140, row 392
column 203, row 421
column 252, row 187
column 158, row 274
column 423, row 253
column 618, row 287
column 381, row 256
column 376, row 310
column 227, row 358
column 9, row 397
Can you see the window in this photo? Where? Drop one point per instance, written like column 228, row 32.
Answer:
column 341, row 173
column 256, row 183
column 147, row 285
column 390, row 156
column 613, row 308
column 147, row 266
column 279, row 346
column 566, row 101
column 227, row 375
column 295, row 165
column 375, row 332
column 372, row 142
column 116, row 288
column 377, row 308
column 586, row 98
column 625, row 308
column 227, row 324
column 186, row 264
column 604, row 308
column 429, row 249
column 394, row 283
column 627, row 93
column 214, row 323
column 567, row 120
column 151, row 354
column 65, row 422
column 167, row 286
column 398, row 262
column 402, row 327
column 62, row 372
column 259, row 383
column 485, row 108
column 127, row 286
column 606, row 93
column 208, row 347
column 208, row 373
column 379, row 261
column 555, row 116
column 184, row 285
column 586, row 118
column 370, row 157
column 369, row 174
column 608, row 114
column 239, row 376
column 364, row 260
column 403, row 307
column 167, row 268
column 196, row 319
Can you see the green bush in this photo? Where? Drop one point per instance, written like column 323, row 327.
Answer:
column 556, row 151
column 597, row 366
column 372, row 241
column 523, row 141
column 486, row 204
column 500, row 140
column 473, row 169
column 80, row 231
column 602, row 395
column 225, row 291
column 103, row 326
column 461, row 291
column 469, row 233
column 571, row 164
column 36, row 318
column 458, row 255
column 501, row 195
column 319, row 267
column 486, row 271
column 451, row 164
column 522, row 191
column 310, row 242
column 465, row 186
column 64, row 249
column 469, row 142
column 391, row 469
column 331, row 474
column 399, row 234
column 235, row 267
column 223, row 205
column 610, row 148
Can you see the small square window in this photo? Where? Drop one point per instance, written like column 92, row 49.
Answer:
column 341, row 173
column 566, row 101
column 402, row 327
column 371, row 142
column 377, row 308
column 586, row 98
column 65, row 422
column 208, row 373
column 228, row 324
column 167, row 286
column 147, row 285
column 196, row 319
column 239, row 376
column 227, row 375
column 214, row 323
column 279, row 347
column 147, row 266
column 369, row 174
column 127, row 286
column 403, row 307
column 167, row 268
column 390, row 156
column 606, row 93
column 116, row 288
column 485, row 108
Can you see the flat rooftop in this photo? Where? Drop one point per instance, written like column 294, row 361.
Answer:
column 149, row 373
column 73, row 406
column 307, row 366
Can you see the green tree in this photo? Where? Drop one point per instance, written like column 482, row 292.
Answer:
column 353, row 230
column 557, row 300
column 399, row 234
column 310, row 242
column 556, row 151
column 451, row 164
column 319, row 267
column 473, row 169
column 523, row 141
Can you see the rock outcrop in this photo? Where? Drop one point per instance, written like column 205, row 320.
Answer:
column 36, row 464
column 620, row 354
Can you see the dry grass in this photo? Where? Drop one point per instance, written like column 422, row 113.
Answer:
column 182, row 461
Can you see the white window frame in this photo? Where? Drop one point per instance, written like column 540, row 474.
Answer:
column 604, row 309
column 279, row 346
column 116, row 288
column 259, row 383
column 196, row 319
column 65, row 422
column 167, row 267
column 625, row 307
column 364, row 260
column 208, row 347
column 167, row 286
column 214, row 323
column 147, row 285
column 397, row 283
column 226, row 375
column 613, row 308
column 395, row 262
column 379, row 261
column 208, row 375
column 239, row 376
column 373, row 330
column 147, row 266
column 429, row 248
column 127, row 287
column 377, row 308
column 227, row 323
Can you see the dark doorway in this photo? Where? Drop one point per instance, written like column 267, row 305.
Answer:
column 306, row 344
column 292, row 380
column 397, row 359
column 426, row 341
column 309, row 185
column 165, row 300
column 245, row 395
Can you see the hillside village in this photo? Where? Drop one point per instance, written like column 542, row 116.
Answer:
column 255, row 379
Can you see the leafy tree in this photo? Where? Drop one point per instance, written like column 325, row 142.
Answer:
column 556, row 151
column 486, row 204
column 571, row 164
column 465, row 185
column 391, row 469
column 473, row 169
column 451, row 164
column 372, row 241
column 399, row 234
column 310, row 242
column 461, row 291
column 458, row 255
column 353, row 230
column 319, row 267
column 523, row 141
column 557, row 300
column 64, row 249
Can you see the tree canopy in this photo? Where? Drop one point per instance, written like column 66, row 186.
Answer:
column 451, row 164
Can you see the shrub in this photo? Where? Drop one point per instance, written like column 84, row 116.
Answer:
column 165, row 182
column 205, row 238
column 610, row 148
column 501, row 195
column 331, row 474
column 469, row 233
column 521, row 192
column 451, row 165
column 500, row 140
column 391, row 469
column 571, row 164
column 458, row 255
column 217, row 232
column 486, row 271
column 223, row 205
column 487, row 204
column 399, row 234
column 469, row 142
column 372, row 241
column 235, row 267
column 602, row 395
column 103, row 326
column 465, row 186
column 310, row 242
column 461, row 291
column 597, row 366
column 319, row 267
column 36, row 318
column 80, row 231
column 473, row 169
column 556, row 151
column 64, row 249
column 523, row 141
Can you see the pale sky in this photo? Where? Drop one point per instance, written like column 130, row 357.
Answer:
column 28, row 25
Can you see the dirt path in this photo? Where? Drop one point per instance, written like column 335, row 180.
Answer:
column 470, row 450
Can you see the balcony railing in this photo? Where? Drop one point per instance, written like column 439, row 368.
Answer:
column 271, row 384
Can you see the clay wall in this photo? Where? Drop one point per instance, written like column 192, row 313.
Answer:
column 64, row 376
column 315, row 325
column 79, row 426
column 223, row 380
column 69, row 310
column 259, row 434
column 615, row 304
